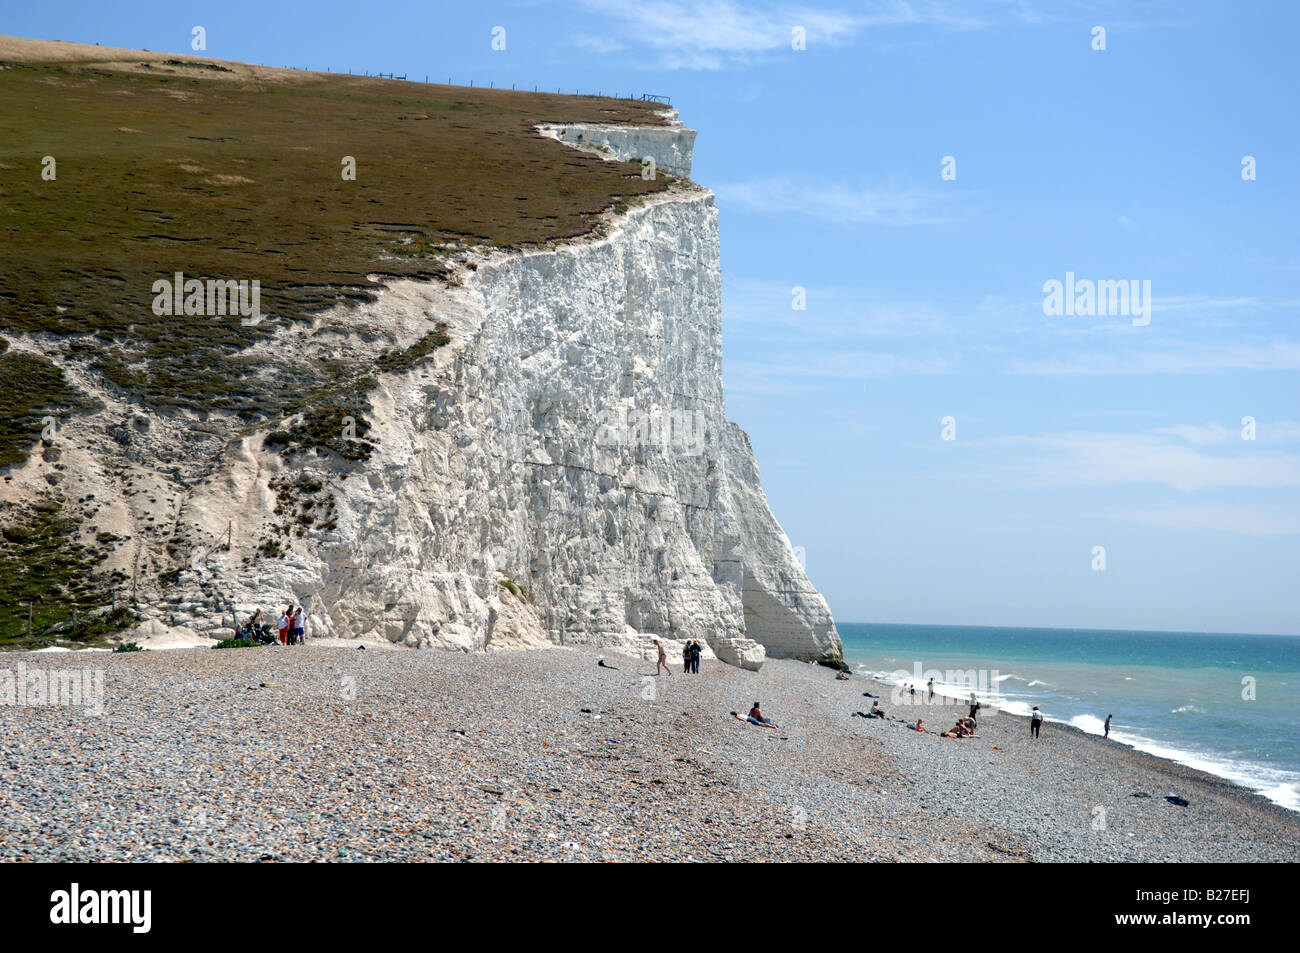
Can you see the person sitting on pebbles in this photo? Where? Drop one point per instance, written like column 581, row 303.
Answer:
column 920, row 726
column 959, row 730
column 753, row 721
column 757, row 713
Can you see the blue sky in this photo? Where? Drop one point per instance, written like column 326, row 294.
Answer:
column 925, row 295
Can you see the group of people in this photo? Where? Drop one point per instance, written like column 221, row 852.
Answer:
column 691, row 653
column 290, row 629
column 691, row 657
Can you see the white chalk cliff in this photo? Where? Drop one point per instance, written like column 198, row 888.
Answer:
column 562, row 472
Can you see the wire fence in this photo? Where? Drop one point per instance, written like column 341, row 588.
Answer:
column 537, row 88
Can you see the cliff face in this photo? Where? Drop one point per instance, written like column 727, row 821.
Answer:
column 561, row 472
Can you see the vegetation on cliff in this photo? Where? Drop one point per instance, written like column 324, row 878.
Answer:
column 116, row 174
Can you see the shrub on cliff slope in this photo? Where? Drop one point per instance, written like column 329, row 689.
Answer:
column 42, row 563
column 31, row 388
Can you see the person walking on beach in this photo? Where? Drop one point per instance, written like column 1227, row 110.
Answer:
column 663, row 659
column 283, row 625
column 930, row 685
column 696, row 651
column 1035, row 722
column 1108, row 718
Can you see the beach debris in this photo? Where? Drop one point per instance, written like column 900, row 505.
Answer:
column 1140, row 794
column 1175, row 799
column 602, row 664
column 361, row 648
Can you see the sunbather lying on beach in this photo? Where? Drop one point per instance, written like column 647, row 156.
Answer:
column 920, row 726
column 753, row 721
column 959, row 730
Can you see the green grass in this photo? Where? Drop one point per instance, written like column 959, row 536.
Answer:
column 212, row 171
column 31, row 388
column 400, row 360
column 41, row 562
column 235, row 644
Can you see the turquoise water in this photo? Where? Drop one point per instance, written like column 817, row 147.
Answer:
column 1178, row 695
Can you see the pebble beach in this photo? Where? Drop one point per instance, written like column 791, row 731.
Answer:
column 343, row 754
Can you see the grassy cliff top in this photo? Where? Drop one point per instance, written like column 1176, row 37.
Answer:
column 167, row 163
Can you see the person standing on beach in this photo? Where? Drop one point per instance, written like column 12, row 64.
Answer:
column 663, row 659
column 283, row 625
column 930, row 685
column 1108, row 718
column 299, row 629
column 696, row 651
column 1035, row 722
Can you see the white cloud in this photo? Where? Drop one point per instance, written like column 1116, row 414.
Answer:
column 795, row 375
column 1225, row 518
column 838, row 203
column 711, row 34
column 1189, row 359
column 1110, row 459
column 1266, row 431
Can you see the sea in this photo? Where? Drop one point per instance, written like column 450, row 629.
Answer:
column 1224, row 703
